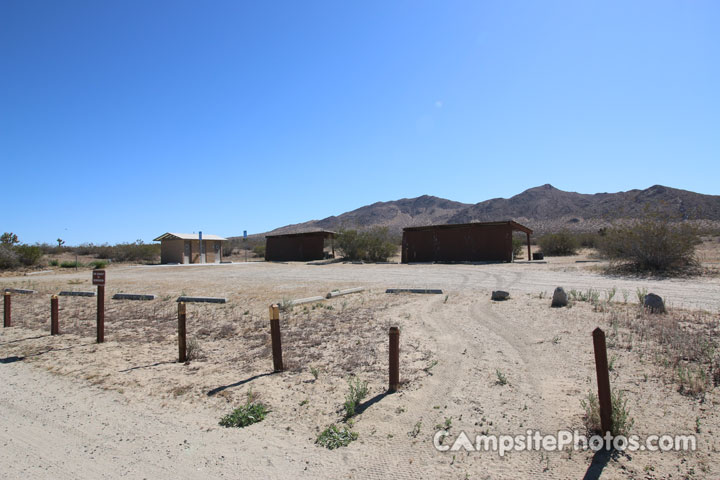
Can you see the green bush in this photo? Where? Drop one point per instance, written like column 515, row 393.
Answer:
column 70, row 264
column 54, row 262
column 245, row 415
column 29, row 254
column 358, row 391
column 654, row 244
column 98, row 264
column 558, row 244
column 333, row 437
column 622, row 423
column 374, row 245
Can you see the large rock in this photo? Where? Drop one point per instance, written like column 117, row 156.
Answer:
column 560, row 298
column 499, row 295
column 654, row 303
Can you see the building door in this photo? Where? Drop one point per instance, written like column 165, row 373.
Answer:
column 217, row 251
column 188, row 252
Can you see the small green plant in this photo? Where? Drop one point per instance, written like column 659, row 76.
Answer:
column 251, row 412
column 611, row 362
column 98, row 264
column 501, row 378
column 641, row 294
column 315, row 372
column 610, row 294
column 70, row 264
column 358, row 391
column 446, row 298
column 334, row 437
column 556, row 339
column 693, row 381
column 621, row 421
column 304, row 402
column 54, row 262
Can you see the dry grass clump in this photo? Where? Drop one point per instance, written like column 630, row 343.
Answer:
column 684, row 342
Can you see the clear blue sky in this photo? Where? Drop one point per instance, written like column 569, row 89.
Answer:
column 121, row 120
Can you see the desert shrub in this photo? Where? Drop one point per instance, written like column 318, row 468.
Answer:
column 358, row 391
column 136, row 252
column 518, row 244
column 654, row 244
column 621, row 420
column 54, row 262
column 333, row 437
column 558, row 244
column 259, row 250
column 29, row 254
column 8, row 258
column 70, row 264
column 193, row 351
column 98, row 264
column 374, row 245
column 588, row 239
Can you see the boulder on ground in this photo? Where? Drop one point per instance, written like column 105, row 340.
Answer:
column 499, row 295
column 560, row 298
column 654, row 303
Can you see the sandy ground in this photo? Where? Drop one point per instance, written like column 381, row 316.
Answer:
column 126, row 409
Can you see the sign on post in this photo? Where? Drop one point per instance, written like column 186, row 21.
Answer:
column 98, row 277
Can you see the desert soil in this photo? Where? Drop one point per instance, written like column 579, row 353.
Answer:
column 127, row 409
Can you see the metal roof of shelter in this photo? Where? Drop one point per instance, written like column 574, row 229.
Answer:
column 514, row 225
column 188, row 236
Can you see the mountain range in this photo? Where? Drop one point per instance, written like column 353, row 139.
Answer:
column 544, row 208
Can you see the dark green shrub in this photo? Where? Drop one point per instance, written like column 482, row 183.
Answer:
column 70, row 264
column 558, row 244
column 98, row 264
column 54, row 262
column 251, row 412
column 374, row 245
column 654, row 244
column 29, row 254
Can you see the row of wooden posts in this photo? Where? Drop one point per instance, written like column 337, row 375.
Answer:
column 599, row 346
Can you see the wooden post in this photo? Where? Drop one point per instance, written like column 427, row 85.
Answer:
column 275, row 336
column 182, row 344
column 54, row 321
column 603, row 379
column 7, row 313
column 394, row 359
column 528, row 242
column 101, row 314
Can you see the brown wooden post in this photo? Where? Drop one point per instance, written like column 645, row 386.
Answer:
column 101, row 314
column 182, row 344
column 275, row 336
column 54, row 321
column 603, row 379
column 394, row 359
column 528, row 241
column 7, row 312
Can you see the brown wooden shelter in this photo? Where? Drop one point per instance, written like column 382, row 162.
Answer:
column 301, row 247
column 466, row 242
column 185, row 248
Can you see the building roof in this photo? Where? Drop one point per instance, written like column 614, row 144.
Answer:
column 187, row 236
column 324, row 233
column 514, row 225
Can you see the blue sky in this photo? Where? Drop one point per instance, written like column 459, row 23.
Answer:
column 121, row 120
